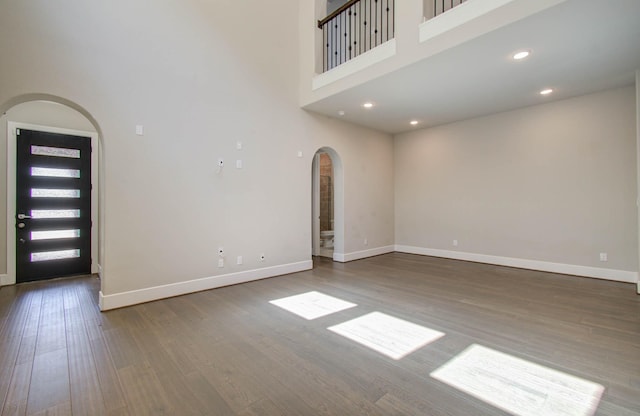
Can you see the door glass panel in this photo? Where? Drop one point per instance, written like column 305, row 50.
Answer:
column 49, row 235
column 55, row 255
column 55, row 151
column 55, row 213
column 55, row 173
column 55, row 193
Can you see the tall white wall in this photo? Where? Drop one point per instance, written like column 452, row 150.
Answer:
column 200, row 76
column 551, row 183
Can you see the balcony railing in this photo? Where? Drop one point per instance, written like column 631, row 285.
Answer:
column 354, row 28
column 441, row 6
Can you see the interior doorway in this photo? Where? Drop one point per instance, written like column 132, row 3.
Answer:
column 331, row 243
column 324, row 200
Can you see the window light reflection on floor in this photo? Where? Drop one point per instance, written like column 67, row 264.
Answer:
column 312, row 305
column 517, row 386
column 387, row 335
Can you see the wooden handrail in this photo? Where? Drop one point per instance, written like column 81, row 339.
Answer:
column 337, row 12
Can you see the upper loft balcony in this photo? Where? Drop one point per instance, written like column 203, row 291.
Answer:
column 439, row 61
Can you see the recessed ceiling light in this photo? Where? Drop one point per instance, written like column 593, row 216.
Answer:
column 521, row 55
column 546, row 91
column 414, row 122
column 341, row 112
column 367, row 105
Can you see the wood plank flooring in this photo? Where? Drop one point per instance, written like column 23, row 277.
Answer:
column 230, row 352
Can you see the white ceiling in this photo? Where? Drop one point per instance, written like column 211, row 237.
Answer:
column 578, row 47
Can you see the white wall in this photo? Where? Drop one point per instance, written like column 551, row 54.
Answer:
column 551, row 183
column 199, row 80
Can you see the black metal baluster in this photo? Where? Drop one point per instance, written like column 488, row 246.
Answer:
column 388, row 10
column 369, row 27
column 359, row 25
column 375, row 19
column 356, row 28
column 384, row 16
column 341, row 38
column 393, row 18
column 347, row 35
column 378, row 25
column 326, row 47
column 346, row 40
column 335, row 42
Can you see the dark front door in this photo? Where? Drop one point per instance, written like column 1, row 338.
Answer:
column 53, row 205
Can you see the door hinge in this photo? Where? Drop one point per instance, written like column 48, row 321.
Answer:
column 17, row 132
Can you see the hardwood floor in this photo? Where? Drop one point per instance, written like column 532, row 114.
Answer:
column 230, row 352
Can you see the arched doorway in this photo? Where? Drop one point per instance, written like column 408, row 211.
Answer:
column 52, row 116
column 327, row 205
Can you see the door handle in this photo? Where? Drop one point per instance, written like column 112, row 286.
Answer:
column 22, row 216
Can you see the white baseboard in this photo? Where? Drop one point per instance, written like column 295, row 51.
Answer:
column 120, row 300
column 357, row 255
column 572, row 269
column 4, row 280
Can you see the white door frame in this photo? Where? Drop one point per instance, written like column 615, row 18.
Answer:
column 315, row 209
column 11, row 192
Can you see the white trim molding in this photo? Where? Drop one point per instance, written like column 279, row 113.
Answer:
column 360, row 62
column 4, row 280
column 120, row 300
column 357, row 255
column 545, row 266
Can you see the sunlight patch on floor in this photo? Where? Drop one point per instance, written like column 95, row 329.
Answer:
column 387, row 335
column 518, row 386
column 312, row 305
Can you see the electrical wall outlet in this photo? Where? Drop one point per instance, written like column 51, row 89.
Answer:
column 220, row 262
column 239, row 260
column 455, row 243
column 604, row 257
